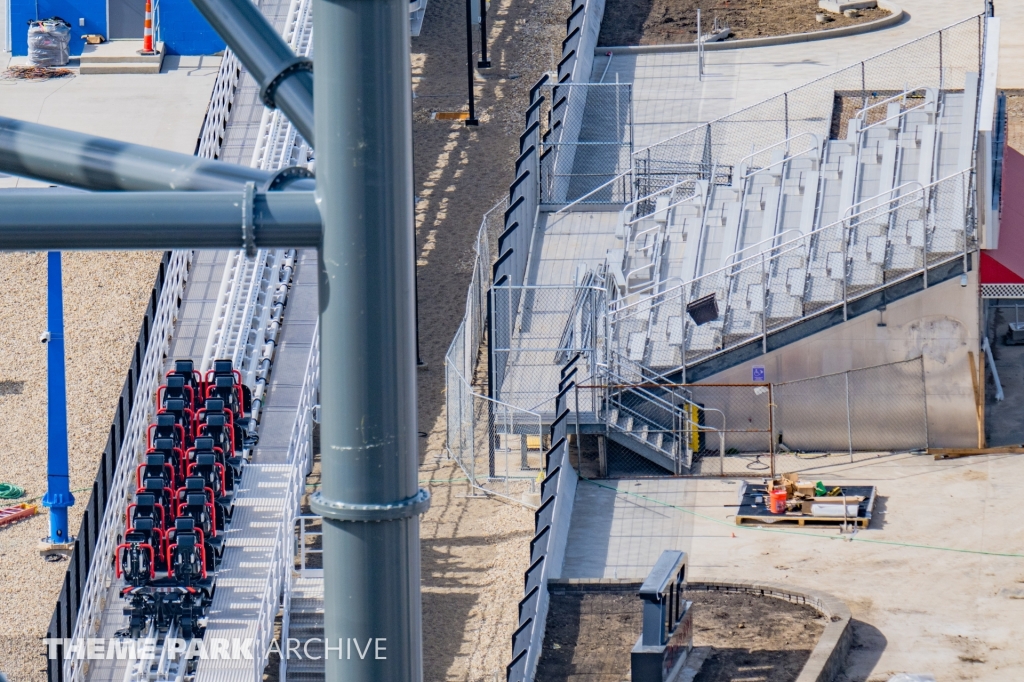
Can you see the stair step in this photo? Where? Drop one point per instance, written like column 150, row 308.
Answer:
column 120, row 56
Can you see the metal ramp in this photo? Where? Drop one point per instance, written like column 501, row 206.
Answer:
column 248, row 580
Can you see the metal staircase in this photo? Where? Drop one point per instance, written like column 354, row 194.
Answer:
column 794, row 238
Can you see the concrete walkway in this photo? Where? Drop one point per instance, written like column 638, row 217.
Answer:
column 954, row 613
column 163, row 110
column 669, row 98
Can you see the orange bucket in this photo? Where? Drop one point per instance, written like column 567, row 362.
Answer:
column 777, row 501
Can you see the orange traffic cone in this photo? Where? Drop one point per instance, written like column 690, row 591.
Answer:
column 147, row 33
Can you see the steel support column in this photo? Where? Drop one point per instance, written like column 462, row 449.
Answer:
column 369, row 498
column 58, row 495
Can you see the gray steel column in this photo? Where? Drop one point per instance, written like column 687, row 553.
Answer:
column 369, row 498
column 285, row 80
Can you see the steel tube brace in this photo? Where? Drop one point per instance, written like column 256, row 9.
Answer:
column 285, row 80
column 42, row 220
column 347, row 511
column 74, row 159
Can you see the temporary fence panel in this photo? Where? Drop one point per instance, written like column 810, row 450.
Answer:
column 587, row 141
column 877, row 409
column 535, row 329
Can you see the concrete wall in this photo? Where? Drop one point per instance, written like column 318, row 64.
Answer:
column 183, row 29
column 939, row 325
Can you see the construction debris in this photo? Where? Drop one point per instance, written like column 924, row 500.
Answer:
column 788, row 500
column 35, row 73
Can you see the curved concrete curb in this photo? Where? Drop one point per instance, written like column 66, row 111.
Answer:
column 829, row 653
column 895, row 17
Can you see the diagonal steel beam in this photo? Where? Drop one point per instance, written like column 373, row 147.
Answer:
column 42, row 220
column 74, row 159
column 285, row 80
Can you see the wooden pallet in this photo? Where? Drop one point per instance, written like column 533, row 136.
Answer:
column 799, row 520
column 752, row 513
column 954, row 453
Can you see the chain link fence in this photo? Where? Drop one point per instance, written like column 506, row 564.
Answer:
column 938, row 60
column 587, row 142
column 753, row 430
column 877, row 409
column 489, row 439
column 535, row 330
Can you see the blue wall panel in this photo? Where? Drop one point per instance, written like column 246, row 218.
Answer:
column 182, row 28
column 23, row 11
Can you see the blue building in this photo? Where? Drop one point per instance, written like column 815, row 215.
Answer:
column 176, row 22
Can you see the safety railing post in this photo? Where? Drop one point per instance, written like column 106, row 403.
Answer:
column 764, row 305
column 849, row 417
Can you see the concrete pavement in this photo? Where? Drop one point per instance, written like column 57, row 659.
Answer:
column 164, row 110
column 669, row 98
column 930, row 601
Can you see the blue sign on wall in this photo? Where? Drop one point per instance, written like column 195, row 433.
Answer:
column 757, row 374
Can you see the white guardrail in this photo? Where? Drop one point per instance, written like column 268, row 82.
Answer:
column 101, row 569
column 300, row 456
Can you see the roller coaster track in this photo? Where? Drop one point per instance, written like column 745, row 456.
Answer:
column 244, row 321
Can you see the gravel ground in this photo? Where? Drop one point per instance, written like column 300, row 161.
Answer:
column 670, row 22
column 475, row 550
column 105, row 296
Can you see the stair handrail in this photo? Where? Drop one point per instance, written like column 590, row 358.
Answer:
column 648, row 197
column 761, row 243
column 815, row 147
column 673, row 408
column 920, row 187
column 563, row 210
column 901, row 95
column 613, row 305
column 788, row 246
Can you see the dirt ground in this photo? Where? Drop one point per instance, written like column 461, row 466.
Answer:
column 474, row 549
column 105, row 296
column 589, row 636
column 1015, row 120
column 753, row 638
column 667, row 22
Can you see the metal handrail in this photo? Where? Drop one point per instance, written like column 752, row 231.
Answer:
column 591, row 192
column 789, row 246
column 666, row 208
column 648, row 197
column 902, row 95
column 762, row 242
column 920, row 187
column 816, row 147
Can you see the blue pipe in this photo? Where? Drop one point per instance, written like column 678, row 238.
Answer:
column 58, row 495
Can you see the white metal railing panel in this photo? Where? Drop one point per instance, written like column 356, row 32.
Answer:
column 101, row 569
